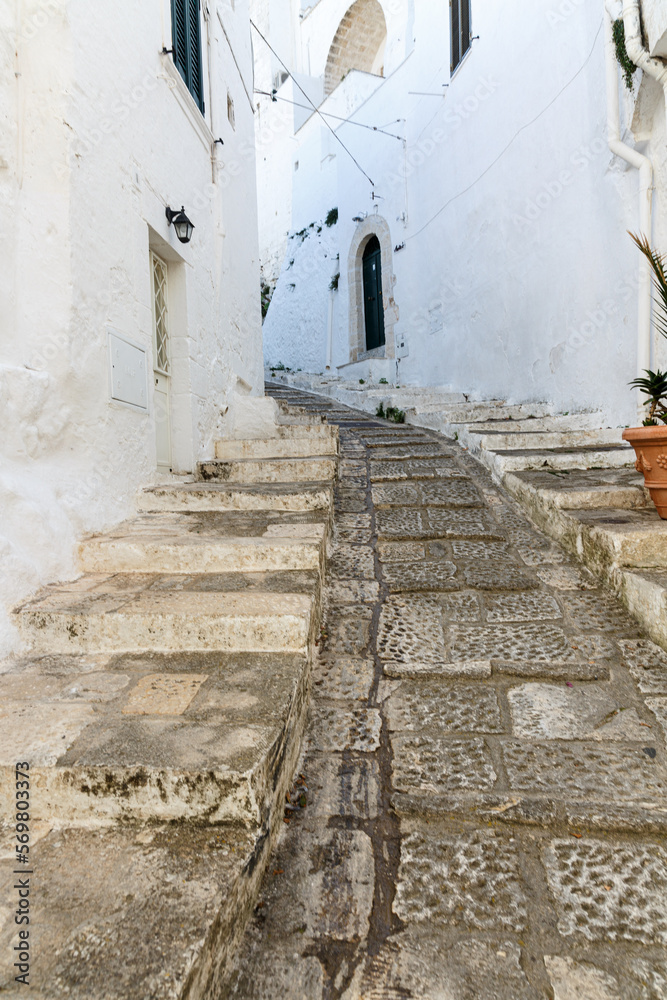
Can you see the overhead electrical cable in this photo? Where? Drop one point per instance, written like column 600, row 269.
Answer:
column 314, row 106
column 327, row 114
column 515, row 136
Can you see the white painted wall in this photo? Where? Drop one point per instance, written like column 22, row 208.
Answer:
column 517, row 278
column 301, row 300
column 98, row 135
column 654, row 15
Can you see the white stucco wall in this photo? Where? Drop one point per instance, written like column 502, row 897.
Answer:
column 654, row 14
column 100, row 136
column 302, row 301
column 517, row 278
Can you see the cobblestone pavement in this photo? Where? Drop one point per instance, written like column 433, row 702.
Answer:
column 485, row 766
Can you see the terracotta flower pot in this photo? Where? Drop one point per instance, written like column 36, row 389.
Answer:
column 650, row 444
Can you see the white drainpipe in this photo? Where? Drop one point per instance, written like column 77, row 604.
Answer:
column 634, row 45
column 645, row 167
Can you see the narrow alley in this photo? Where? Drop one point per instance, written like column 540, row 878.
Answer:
column 481, row 805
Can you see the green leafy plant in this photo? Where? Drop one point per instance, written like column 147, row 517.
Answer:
column 332, row 218
column 362, row 381
column 266, row 294
column 383, row 381
column 658, row 265
column 654, row 384
column 333, row 284
column 390, row 413
column 624, row 60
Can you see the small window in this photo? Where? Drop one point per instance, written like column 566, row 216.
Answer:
column 186, row 37
column 460, row 30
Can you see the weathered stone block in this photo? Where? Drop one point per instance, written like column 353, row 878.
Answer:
column 418, row 705
column 343, row 678
column 425, row 764
column 609, row 891
column 521, row 641
column 473, row 881
column 548, row 712
column 352, row 728
column 581, row 771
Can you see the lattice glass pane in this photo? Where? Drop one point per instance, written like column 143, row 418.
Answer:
column 161, row 316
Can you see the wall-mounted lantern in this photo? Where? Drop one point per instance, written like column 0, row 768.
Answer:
column 181, row 224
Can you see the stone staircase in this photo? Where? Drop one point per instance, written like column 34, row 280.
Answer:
column 161, row 707
column 575, row 478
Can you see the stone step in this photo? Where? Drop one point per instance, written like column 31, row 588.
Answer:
column 405, row 398
column 110, row 911
column 295, row 413
column 521, row 440
column 154, row 738
column 622, row 489
column 644, row 592
column 488, row 409
column 217, row 497
column 299, row 441
column 206, row 542
column 102, row 615
column 158, row 777
column 274, row 470
column 588, row 421
column 608, row 537
column 615, row 532
column 584, row 457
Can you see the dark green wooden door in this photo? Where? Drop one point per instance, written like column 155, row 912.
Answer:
column 373, row 305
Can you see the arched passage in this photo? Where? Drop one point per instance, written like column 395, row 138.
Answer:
column 372, row 236
column 359, row 43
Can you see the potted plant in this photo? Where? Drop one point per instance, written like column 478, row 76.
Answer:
column 650, row 440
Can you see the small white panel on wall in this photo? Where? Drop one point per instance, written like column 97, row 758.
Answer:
column 401, row 345
column 435, row 318
column 128, row 372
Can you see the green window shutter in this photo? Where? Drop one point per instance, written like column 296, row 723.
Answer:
column 455, row 33
column 186, row 38
column 196, row 82
column 465, row 27
column 179, row 37
column 460, row 30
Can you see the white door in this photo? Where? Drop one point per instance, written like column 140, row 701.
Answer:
column 161, row 362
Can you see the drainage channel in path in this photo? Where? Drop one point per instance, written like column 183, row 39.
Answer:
column 486, row 799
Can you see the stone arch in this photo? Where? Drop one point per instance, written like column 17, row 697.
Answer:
column 372, row 225
column 359, row 43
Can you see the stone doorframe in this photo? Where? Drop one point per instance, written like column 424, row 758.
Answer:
column 373, row 225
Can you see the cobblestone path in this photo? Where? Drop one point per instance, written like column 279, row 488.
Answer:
column 485, row 765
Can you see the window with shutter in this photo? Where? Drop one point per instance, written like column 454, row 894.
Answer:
column 459, row 29
column 186, row 35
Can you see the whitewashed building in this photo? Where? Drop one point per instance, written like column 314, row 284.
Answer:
column 486, row 160
column 123, row 351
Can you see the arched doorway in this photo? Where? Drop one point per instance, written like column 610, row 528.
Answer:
column 373, row 301
column 373, row 227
